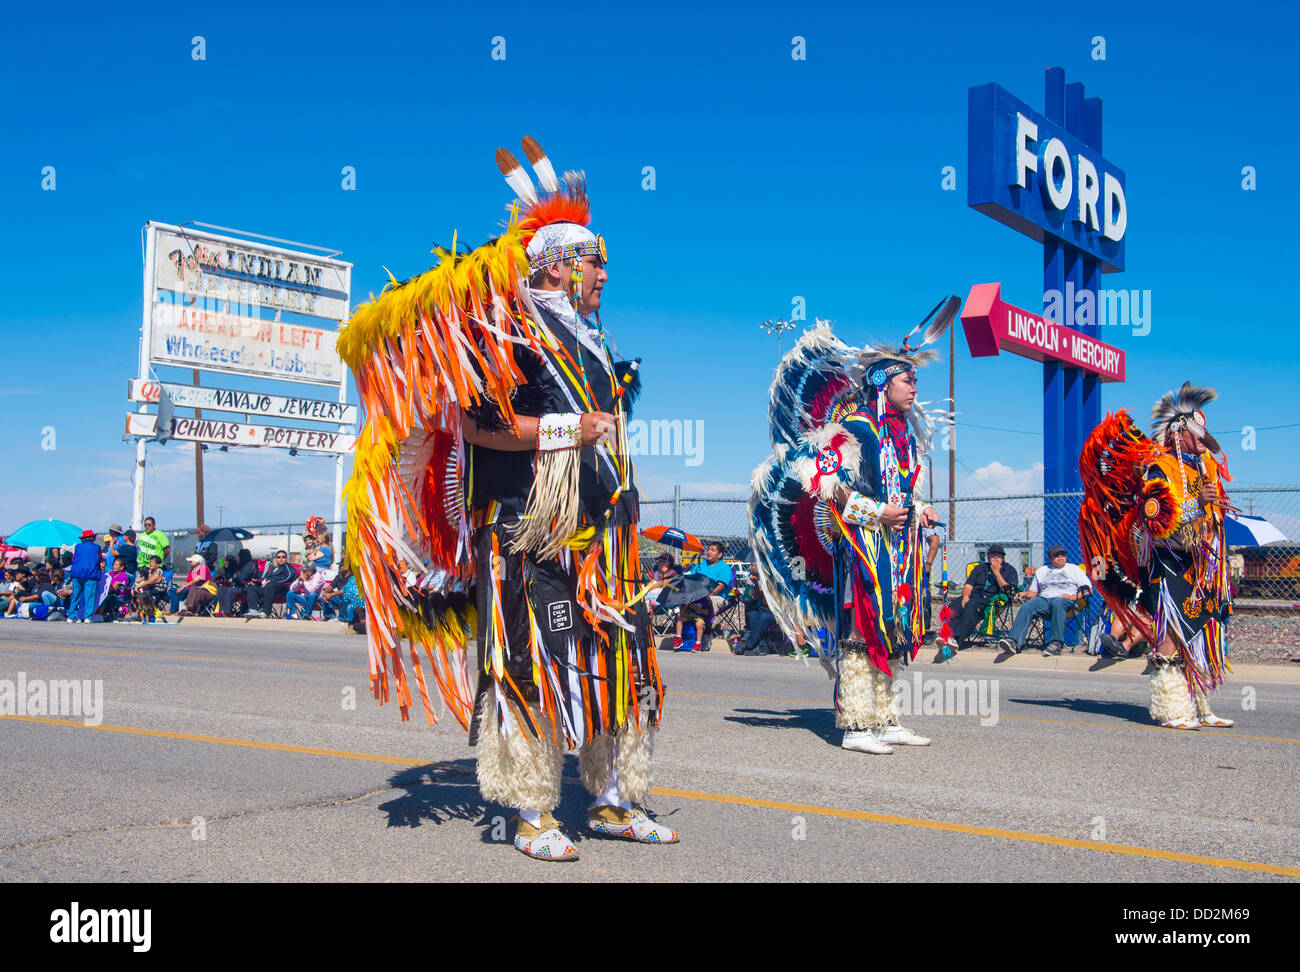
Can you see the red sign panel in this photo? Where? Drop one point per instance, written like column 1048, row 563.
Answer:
column 992, row 325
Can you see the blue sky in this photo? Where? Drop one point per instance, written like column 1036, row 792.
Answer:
column 775, row 179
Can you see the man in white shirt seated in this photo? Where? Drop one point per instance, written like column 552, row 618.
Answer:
column 1053, row 591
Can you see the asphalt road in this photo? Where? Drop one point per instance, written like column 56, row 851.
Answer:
column 228, row 753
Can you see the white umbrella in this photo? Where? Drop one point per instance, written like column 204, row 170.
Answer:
column 1240, row 530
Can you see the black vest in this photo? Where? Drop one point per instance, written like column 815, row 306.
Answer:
column 507, row 477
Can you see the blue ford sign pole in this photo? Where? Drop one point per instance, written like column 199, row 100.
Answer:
column 1044, row 176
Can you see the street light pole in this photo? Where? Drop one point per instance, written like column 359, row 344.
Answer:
column 777, row 327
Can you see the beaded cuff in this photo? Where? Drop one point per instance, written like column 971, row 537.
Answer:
column 559, row 430
column 862, row 510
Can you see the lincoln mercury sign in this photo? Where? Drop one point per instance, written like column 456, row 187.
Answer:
column 194, row 337
column 992, row 325
column 219, row 268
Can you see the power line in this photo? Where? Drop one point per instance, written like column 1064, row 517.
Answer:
column 994, row 428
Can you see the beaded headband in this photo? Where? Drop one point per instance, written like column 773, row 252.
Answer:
column 569, row 251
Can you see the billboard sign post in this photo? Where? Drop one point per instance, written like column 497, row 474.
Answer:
column 227, row 304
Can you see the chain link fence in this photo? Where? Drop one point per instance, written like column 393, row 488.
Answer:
column 1266, row 577
column 262, row 540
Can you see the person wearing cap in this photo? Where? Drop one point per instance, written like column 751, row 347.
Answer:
column 198, row 589
column 114, row 539
column 86, row 570
column 994, row 576
column 1055, row 587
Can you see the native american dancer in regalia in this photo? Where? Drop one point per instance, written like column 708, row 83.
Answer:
column 493, row 468
column 835, row 519
column 1152, row 520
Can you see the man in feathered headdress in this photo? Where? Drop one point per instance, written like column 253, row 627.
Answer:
column 1151, row 526
column 495, row 455
column 836, row 517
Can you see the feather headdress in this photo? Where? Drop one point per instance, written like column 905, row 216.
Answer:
column 877, row 365
column 1181, row 410
column 553, row 221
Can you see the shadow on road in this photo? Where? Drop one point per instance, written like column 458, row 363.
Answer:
column 1126, row 711
column 820, row 722
column 435, row 793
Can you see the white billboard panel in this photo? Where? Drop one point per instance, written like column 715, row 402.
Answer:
column 219, row 432
column 194, row 337
column 208, row 265
column 247, row 402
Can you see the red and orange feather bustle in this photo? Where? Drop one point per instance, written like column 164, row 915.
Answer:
column 1112, row 466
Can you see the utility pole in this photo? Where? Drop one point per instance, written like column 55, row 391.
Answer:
column 198, row 465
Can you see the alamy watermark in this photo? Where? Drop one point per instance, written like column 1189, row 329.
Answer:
column 1105, row 308
column 667, row 437
column 948, row 696
column 77, row 925
column 54, row 697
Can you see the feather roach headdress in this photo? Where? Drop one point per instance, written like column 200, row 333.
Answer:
column 1182, row 410
column 554, row 221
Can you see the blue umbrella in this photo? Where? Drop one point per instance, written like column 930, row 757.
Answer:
column 45, row 533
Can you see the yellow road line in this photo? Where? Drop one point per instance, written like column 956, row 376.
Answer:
column 956, row 828
column 940, row 825
column 225, row 741
column 976, row 715
column 207, row 658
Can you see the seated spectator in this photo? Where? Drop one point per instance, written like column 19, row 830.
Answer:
column 1053, row 591
column 986, row 581
column 22, row 595
column 665, row 570
column 63, row 588
column 1122, row 640
column 86, row 570
column 303, row 594
column 333, row 601
column 699, row 613
column 6, row 583
column 44, row 587
column 198, row 588
column 275, row 581
column 321, row 554
column 117, row 602
column 59, row 583
column 757, row 618
column 150, row 588
column 243, row 575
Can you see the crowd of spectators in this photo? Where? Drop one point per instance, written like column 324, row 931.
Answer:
column 127, row 576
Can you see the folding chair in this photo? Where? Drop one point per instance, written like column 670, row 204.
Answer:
column 998, row 615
